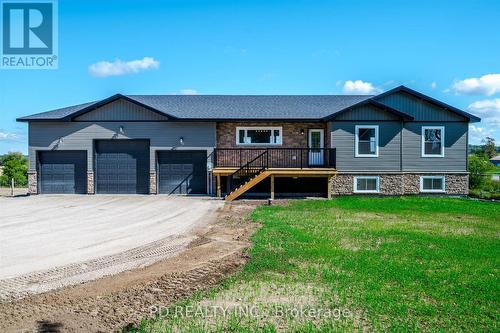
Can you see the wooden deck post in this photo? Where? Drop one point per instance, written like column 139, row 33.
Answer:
column 329, row 187
column 272, row 187
column 218, row 187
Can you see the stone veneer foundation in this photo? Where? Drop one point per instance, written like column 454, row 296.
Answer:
column 402, row 183
column 32, row 182
column 152, row 182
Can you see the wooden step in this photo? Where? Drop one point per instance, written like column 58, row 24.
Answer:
column 248, row 185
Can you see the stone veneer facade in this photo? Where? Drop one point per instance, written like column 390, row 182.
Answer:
column 402, row 183
column 32, row 182
column 90, row 182
column 152, row 182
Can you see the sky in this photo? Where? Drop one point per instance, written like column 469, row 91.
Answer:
column 449, row 50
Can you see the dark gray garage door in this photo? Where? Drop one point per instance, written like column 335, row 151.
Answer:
column 122, row 166
column 62, row 172
column 182, row 172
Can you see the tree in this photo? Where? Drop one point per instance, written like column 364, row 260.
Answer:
column 478, row 166
column 15, row 165
column 489, row 147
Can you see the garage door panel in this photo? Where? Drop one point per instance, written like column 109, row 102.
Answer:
column 63, row 172
column 182, row 172
column 122, row 166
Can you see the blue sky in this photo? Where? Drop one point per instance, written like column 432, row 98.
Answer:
column 447, row 49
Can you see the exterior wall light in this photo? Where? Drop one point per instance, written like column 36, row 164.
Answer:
column 121, row 129
column 181, row 140
column 302, row 131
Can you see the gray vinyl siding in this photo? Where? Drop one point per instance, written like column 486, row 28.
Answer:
column 419, row 109
column 119, row 111
column 391, row 143
column 366, row 113
column 389, row 159
column 80, row 136
column 455, row 150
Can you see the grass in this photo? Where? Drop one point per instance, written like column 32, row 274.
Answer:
column 359, row 263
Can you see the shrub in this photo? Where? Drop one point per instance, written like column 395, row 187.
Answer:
column 478, row 167
column 15, row 165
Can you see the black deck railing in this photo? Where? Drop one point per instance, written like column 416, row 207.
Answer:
column 276, row 157
column 247, row 171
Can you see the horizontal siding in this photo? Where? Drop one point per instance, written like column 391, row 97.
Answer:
column 419, row 109
column 121, row 110
column 455, row 150
column 343, row 134
column 80, row 136
column 366, row 112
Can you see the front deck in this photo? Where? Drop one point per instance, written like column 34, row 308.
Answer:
column 246, row 167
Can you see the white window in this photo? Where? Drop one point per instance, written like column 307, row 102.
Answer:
column 259, row 135
column 366, row 141
column 367, row 184
column 432, row 141
column 432, row 184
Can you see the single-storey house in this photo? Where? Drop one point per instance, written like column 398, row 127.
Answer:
column 398, row 142
column 495, row 160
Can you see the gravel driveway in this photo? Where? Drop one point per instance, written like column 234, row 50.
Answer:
column 51, row 241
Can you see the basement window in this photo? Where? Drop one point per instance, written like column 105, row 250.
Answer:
column 366, row 141
column 259, row 135
column 432, row 184
column 367, row 184
column 432, row 141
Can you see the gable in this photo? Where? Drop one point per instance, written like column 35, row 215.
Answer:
column 418, row 108
column 121, row 110
column 366, row 112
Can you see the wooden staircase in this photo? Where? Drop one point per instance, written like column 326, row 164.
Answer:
column 246, row 186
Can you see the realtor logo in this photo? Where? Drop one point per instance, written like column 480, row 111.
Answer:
column 29, row 34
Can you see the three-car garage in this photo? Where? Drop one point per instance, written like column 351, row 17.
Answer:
column 123, row 167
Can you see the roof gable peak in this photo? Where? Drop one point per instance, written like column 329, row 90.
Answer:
column 427, row 99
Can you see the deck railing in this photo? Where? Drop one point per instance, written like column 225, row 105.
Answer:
column 276, row 157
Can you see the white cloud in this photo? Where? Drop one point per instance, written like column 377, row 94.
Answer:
column 477, row 134
column 189, row 92
column 487, row 109
column 6, row 136
column 434, row 85
column 486, row 85
column 118, row 67
column 359, row 87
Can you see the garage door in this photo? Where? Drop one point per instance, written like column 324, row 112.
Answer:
column 62, row 172
column 122, row 166
column 182, row 172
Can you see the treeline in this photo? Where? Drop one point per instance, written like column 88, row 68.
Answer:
column 481, row 171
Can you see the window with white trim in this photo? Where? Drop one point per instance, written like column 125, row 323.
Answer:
column 366, row 141
column 432, row 184
column 365, row 184
column 432, row 141
column 259, row 135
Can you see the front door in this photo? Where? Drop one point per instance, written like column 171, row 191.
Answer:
column 316, row 145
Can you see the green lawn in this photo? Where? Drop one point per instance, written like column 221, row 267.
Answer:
column 363, row 263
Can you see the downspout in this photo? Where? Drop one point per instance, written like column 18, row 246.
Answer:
column 401, row 157
column 401, row 147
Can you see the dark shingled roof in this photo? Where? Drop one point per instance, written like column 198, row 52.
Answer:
column 246, row 107
column 57, row 113
column 208, row 107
